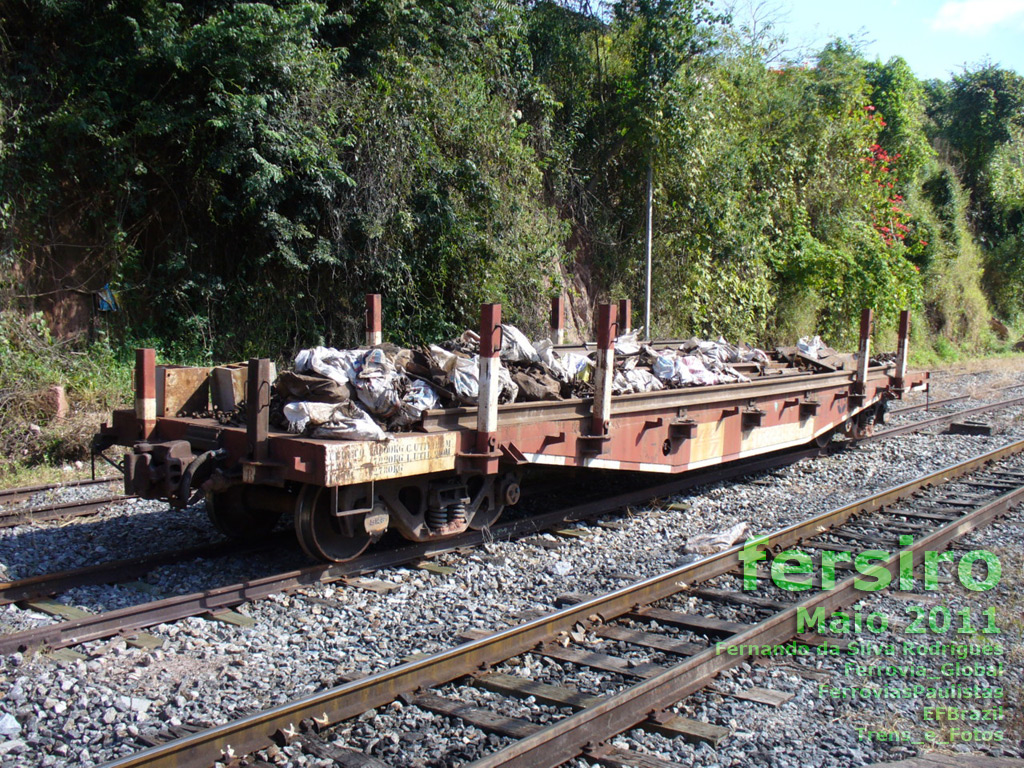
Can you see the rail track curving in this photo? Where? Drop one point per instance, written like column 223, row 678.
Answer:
column 211, row 601
column 995, row 484
column 135, row 618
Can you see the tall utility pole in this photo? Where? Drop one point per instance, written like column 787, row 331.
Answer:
column 649, row 238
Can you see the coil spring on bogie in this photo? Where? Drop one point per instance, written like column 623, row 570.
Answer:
column 439, row 518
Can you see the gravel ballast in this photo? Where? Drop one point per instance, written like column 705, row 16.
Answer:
column 57, row 712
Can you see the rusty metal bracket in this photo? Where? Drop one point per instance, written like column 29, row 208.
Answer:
column 511, row 452
column 552, row 440
column 753, row 417
column 661, row 716
column 682, row 429
column 651, row 424
column 592, row 445
column 809, row 407
column 484, row 462
column 597, row 750
column 260, row 472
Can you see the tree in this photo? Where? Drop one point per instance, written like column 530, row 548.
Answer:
column 978, row 113
column 900, row 99
column 663, row 35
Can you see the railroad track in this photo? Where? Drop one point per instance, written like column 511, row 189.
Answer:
column 15, row 495
column 960, row 498
column 220, row 599
column 117, row 571
column 923, row 424
column 9, row 518
column 14, row 513
column 928, row 405
column 211, row 601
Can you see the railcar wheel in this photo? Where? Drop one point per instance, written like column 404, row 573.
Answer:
column 823, row 440
column 486, row 516
column 231, row 515
column 324, row 536
column 491, row 498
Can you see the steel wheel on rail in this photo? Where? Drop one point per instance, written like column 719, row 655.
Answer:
column 823, row 440
column 326, row 536
column 230, row 514
column 492, row 496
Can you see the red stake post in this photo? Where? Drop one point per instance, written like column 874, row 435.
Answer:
column 374, row 324
column 867, row 321
column 625, row 316
column 145, row 391
column 490, row 362
column 903, row 348
column 557, row 321
column 606, row 326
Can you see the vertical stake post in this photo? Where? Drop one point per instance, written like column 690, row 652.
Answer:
column 374, row 324
column 867, row 320
column 490, row 362
column 257, row 417
column 903, row 348
column 648, row 245
column 606, row 326
column 625, row 316
column 557, row 320
column 145, row 391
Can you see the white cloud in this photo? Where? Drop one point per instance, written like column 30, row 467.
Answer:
column 977, row 16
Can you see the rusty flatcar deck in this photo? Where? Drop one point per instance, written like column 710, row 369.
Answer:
column 464, row 465
column 669, row 431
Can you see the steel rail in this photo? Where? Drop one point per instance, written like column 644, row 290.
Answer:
column 10, row 518
column 332, row 705
column 134, row 618
column 48, row 584
column 111, row 572
column 567, row 738
column 12, row 495
column 918, row 426
column 929, row 405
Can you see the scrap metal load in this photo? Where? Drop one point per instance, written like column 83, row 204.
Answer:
column 435, row 440
column 362, row 394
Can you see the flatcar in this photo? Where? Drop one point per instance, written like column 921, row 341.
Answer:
column 462, row 466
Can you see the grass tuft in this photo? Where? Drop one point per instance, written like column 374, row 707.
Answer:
column 95, row 380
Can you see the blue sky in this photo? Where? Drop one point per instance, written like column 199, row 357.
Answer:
column 936, row 38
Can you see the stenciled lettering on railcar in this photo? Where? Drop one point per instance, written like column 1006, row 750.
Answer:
column 348, row 463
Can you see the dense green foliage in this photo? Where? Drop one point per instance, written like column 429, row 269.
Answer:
column 243, row 172
column 31, row 363
column 980, row 117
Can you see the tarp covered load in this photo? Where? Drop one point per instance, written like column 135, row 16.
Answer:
column 812, row 353
column 363, row 394
column 367, row 389
column 345, row 421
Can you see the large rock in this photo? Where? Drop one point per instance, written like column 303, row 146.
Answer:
column 999, row 329
column 54, row 402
